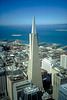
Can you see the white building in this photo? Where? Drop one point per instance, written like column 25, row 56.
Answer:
column 63, row 61
column 34, row 71
column 47, row 65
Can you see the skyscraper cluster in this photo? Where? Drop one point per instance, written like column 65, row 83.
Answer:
column 19, row 88
column 39, row 83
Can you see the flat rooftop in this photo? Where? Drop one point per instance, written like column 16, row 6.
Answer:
column 62, row 75
column 30, row 90
column 60, row 69
column 17, row 78
column 63, row 88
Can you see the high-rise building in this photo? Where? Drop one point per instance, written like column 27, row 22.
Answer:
column 15, row 84
column 59, row 78
column 63, row 61
column 47, row 65
column 62, row 92
column 56, row 69
column 2, row 81
column 34, row 71
column 31, row 93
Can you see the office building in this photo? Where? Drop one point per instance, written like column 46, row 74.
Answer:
column 31, row 93
column 2, row 81
column 62, row 92
column 59, row 79
column 1, row 49
column 63, row 61
column 15, row 84
column 34, row 71
column 56, row 69
column 47, row 65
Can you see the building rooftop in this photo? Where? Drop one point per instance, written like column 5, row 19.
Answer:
column 2, row 71
column 63, row 88
column 30, row 90
column 60, row 69
column 17, row 78
column 61, row 75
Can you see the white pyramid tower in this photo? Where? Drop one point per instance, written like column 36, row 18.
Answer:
column 34, row 71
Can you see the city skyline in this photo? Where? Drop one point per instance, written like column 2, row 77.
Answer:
column 20, row 12
column 22, row 75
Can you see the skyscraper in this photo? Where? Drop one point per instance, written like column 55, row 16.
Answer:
column 2, row 82
column 31, row 93
column 63, row 61
column 62, row 92
column 34, row 71
column 15, row 84
column 47, row 65
column 59, row 79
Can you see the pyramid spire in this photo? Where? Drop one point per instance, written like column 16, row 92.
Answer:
column 34, row 71
column 33, row 26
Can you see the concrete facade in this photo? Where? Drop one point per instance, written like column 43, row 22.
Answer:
column 59, row 78
column 47, row 65
column 63, row 61
column 15, row 84
column 34, row 71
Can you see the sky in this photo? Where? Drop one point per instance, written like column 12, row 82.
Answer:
column 20, row 12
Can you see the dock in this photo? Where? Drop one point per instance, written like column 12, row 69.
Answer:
column 63, row 48
column 42, row 43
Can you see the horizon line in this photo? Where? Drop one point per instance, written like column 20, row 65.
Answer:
column 36, row 24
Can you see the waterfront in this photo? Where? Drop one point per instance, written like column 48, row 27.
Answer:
column 46, row 34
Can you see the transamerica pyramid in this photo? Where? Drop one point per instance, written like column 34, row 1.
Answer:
column 34, row 71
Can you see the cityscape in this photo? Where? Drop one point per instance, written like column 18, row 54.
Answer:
column 33, row 70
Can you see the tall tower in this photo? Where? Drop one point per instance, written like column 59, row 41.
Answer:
column 34, row 71
column 63, row 61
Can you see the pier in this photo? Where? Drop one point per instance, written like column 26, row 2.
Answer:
column 63, row 48
column 42, row 43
